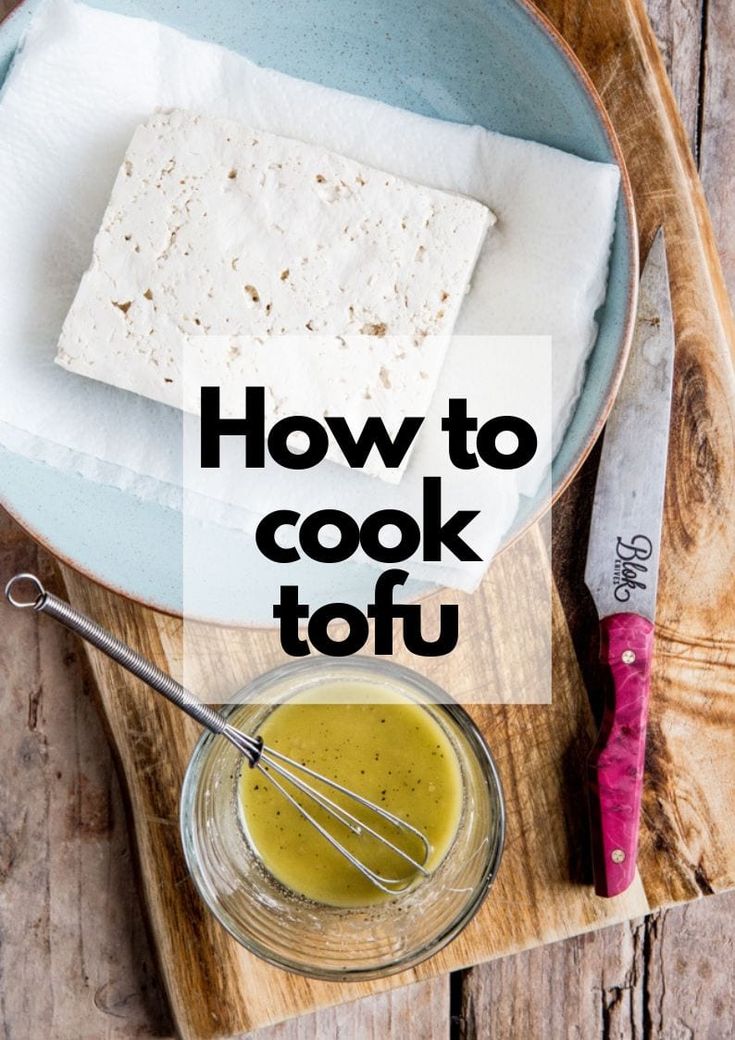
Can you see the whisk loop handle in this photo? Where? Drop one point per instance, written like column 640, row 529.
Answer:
column 46, row 603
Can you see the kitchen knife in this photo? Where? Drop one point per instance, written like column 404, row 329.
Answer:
column 622, row 574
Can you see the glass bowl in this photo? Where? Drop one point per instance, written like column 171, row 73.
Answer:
column 314, row 939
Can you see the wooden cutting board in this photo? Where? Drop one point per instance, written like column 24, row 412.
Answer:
column 542, row 892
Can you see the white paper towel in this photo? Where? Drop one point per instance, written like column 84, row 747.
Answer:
column 85, row 78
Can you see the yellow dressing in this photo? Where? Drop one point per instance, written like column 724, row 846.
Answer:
column 377, row 743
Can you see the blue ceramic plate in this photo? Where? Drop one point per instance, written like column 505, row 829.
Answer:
column 501, row 66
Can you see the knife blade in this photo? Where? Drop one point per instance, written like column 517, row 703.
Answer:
column 622, row 574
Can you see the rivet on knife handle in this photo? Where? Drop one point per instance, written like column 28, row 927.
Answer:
column 615, row 767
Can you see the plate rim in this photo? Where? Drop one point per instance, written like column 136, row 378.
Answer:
column 544, row 24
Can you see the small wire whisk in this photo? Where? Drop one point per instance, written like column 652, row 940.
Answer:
column 278, row 769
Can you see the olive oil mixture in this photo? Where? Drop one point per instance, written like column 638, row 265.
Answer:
column 391, row 751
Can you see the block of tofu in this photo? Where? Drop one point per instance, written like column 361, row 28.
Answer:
column 232, row 257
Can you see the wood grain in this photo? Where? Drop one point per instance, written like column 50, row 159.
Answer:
column 74, row 954
column 668, row 977
column 639, row 981
column 420, row 1011
column 694, row 674
column 545, row 828
column 677, row 26
column 684, row 807
column 717, row 132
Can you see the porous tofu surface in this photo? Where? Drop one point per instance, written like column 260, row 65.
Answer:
column 219, row 234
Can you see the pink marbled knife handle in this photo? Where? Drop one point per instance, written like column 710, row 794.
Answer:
column 615, row 766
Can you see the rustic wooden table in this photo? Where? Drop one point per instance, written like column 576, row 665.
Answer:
column 85, row 968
